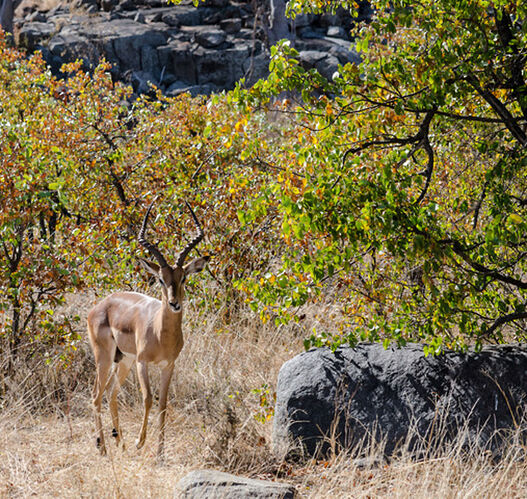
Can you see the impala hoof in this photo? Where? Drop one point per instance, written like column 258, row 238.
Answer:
column 139, row 443
column 100, row 445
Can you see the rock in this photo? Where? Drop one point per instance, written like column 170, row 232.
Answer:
column 108, row 5
column 85, row 4
column 222, row 67
column 36, row 17
column 139, row 18
column 215, row 485
column 210, row 37
column 345, row 55
column 341, row 49
column 216, row 3
column 231, row 25
column 170, row 18
column 328, row 66
column 211, row 46
column 127, row 5
column 157, row 17
column 141, row 82
column 173, row 16
column 337, row 32
column 180, row 87
column 126, row 42
column 257, row 68
column 188, row 15
column 398, row 393
column 154, row 3
column 69, row 45
column 310, row 58
column 177, row 59
column 309, row 32
column 32, row 33
column 303, row 20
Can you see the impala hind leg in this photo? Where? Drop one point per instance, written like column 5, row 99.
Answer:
column 104, row 365
column 142, row 373
column 120, row 372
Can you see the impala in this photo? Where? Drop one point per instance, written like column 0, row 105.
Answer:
column 127, row 327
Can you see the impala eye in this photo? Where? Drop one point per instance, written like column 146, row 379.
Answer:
column 161, row 281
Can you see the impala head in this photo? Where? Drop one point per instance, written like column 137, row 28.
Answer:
column 172, row 278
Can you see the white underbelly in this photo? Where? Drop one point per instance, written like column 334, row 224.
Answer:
column 130, row 357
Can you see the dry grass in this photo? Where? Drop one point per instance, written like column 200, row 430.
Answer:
column 47, row 439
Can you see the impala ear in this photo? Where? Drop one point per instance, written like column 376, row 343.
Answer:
column 151, row 267
column 196, row 265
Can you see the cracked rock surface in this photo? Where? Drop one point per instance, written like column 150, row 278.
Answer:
column 176, row 47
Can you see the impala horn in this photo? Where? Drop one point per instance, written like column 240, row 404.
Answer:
column 154, row 251
column 192, row 244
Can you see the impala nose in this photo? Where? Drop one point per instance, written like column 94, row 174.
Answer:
column 176, row 307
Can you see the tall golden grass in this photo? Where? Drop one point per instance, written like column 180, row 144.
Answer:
column 215, row 420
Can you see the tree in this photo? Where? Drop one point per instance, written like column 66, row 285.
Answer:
column 80, row 164
column 407, row 190
column 7, row 12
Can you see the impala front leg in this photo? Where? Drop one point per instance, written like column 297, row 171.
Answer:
column 142, row 372
column 166, row 376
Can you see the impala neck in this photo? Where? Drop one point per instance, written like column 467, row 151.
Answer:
column 167, row 319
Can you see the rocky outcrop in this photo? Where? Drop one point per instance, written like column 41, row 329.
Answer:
column 215, row 485
column 176, row 47
column 369, row 392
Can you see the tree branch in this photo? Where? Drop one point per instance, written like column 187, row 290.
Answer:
column 460, row 251
column 500, row 109
column 504, row 319
column 423, row 132
column 478, row 206
column 517, row 61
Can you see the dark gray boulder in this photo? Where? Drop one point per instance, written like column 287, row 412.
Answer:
column 215, row 485
column 370, row 392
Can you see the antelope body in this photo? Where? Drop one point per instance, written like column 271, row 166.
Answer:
column 127, row 327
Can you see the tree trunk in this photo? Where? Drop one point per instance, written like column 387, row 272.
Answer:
column 278, row 23
column 7, row 13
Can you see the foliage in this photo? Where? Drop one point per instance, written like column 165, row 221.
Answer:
column 79, row 166
column 406, row 190
column 394, row 192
